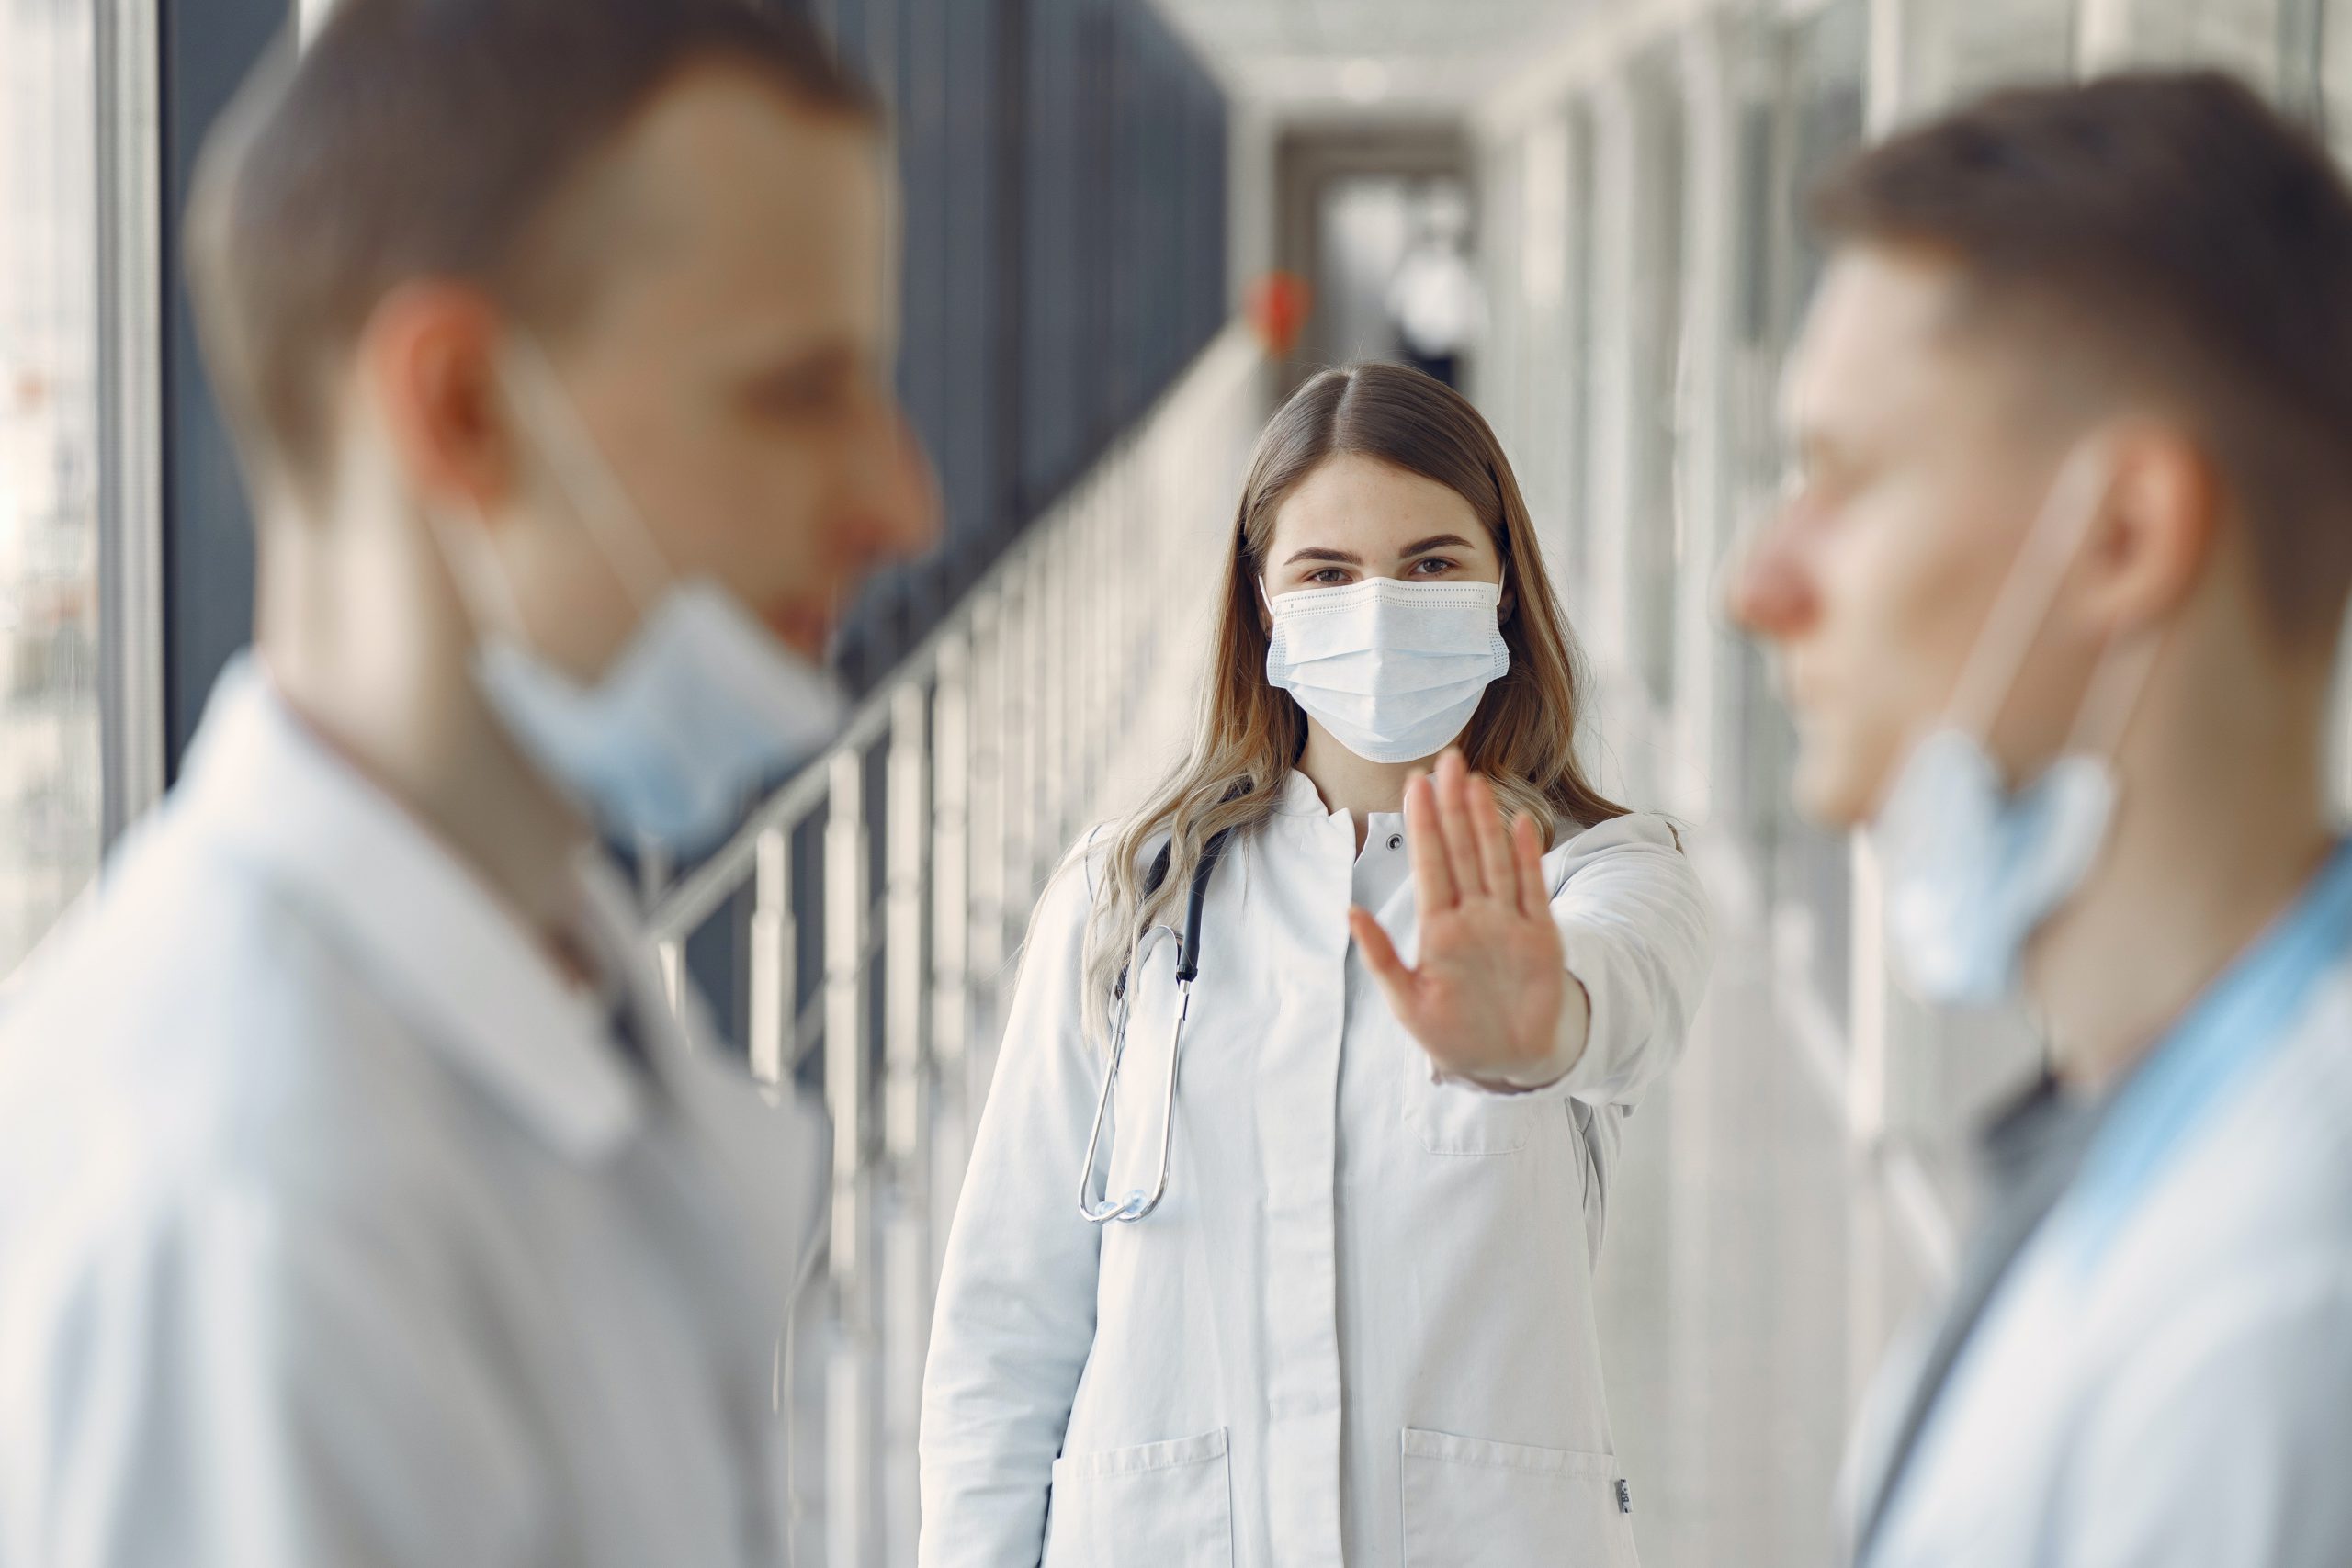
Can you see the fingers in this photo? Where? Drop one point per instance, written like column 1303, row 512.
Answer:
column 1497, row 862
column 1433, row 885
column 1453, row 823
column 1527, row 848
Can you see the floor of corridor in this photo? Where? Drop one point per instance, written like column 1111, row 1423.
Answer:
column 1750, row 1274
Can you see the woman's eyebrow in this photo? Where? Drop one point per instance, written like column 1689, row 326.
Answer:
column 1318, row 552
column 1434, row 542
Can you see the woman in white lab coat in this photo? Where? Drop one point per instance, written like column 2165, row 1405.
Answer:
column 1358, row 1325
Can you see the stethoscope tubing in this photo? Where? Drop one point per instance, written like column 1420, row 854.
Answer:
column 1138, row 1204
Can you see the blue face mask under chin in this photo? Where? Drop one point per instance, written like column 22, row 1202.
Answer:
column 1973, row 868
column 699, row 709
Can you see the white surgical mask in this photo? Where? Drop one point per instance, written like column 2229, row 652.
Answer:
column 1393, row 670
column 1973, row 868
column 700, row 708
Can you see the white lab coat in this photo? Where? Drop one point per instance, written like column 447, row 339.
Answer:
column 2185, row 1401
column 334, row 1230
column 1360, row 1327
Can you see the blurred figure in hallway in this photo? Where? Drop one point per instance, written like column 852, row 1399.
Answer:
column 2056, row 599
column 360, row 1201
column 1434, row 300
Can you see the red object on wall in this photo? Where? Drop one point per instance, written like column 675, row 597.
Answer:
column 1280, row 303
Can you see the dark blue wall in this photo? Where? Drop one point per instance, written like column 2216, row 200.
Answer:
column 207, row 47
column 1064, row 165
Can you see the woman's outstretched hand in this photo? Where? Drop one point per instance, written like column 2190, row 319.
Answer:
column 1487, row 1000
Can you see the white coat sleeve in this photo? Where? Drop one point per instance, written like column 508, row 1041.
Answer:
column 1635, row 934
column 1015, row 1318
column 232, row 1379
column 2226, row 1438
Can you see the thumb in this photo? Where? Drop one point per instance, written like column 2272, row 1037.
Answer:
column 1379, row 953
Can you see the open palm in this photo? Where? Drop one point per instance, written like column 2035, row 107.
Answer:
column 1485, row 995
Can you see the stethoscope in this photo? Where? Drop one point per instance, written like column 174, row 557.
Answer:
column 1136, row 1204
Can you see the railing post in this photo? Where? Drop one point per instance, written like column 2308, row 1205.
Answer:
column 1038, row 686
column 906, row 1104
column 1082, row 604
column 775, row 939
column 985, row 731
column 1015, row 741
column 1061, row 686
column 851, row 1455
column 1089, row 654
column 951, row 925
column 654, row 870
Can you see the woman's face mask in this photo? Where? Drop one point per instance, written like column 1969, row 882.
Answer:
column 1972, row 867
column 1392, row 669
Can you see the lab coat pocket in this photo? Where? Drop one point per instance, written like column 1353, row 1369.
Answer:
column 1462, row 1119
column 1157, row 1506
column 1471, row 1504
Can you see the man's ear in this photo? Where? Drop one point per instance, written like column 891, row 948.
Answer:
column 427, row 363
column 2151, row 545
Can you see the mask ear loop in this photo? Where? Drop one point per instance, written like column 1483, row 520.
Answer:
column 481, row 578
column 2027, row 593
column 2114, row 695
column 535, row 387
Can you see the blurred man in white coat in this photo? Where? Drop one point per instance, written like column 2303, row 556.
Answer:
column 359, row 1201
column 2057, row 600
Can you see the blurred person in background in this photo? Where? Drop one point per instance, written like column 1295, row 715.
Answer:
column 1325, row 1294
column 2056, row 598
column 360, row 1202
column 1435, row 301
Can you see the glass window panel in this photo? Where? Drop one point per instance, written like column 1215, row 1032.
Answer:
column 1571, row 431
column 2334, row 49
column 2239, row 35
column 1954, row 49
column 49, row 824
column 1658, row 325
column 1827, row 59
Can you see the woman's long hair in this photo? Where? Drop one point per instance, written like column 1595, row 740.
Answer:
column 1251, row 732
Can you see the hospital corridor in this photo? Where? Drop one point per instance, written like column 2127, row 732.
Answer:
column 1625, row 1287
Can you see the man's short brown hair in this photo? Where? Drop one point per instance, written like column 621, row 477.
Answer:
column 2179, row 237
column 430, row 139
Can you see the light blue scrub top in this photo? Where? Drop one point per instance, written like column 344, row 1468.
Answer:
column 2236, row 1027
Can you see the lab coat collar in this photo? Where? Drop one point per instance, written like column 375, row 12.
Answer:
column 1300, row 797
column 443, row 950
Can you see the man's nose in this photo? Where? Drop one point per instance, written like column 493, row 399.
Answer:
column 899, row 492
column 1768, row 593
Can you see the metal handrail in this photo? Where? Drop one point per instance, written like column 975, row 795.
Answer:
column 1043, row 699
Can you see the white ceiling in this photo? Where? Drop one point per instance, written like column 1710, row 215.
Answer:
column 1373, row 56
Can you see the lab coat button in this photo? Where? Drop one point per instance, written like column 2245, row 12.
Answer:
column 1396, row 840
